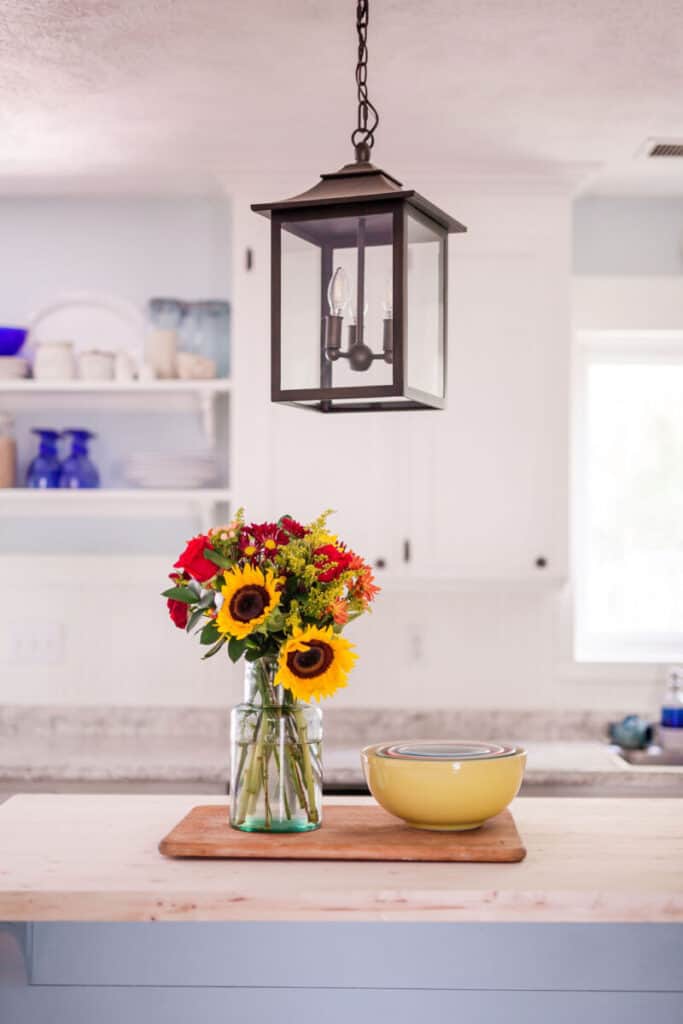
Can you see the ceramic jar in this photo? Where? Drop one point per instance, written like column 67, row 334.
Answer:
column 8, row 452
column 54, row 360
column 160, row 352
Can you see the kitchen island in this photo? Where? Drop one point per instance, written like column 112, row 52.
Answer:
column 590, row 924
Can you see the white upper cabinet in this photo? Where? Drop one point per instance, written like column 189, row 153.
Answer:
column 492, row 470
column 296, row 461
column 478, row 491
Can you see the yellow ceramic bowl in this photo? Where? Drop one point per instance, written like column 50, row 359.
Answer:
column 443, row 785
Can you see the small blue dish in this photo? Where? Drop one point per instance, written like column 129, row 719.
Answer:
column 11, row 340
column 632, row 733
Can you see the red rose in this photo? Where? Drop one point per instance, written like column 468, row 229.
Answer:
column 179, row 612
column 331, row 562
column 193, row 562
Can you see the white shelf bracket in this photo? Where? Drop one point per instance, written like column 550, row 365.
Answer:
column 207, row 409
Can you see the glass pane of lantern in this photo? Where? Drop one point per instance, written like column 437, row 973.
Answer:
column 424, row 306
column 312, row 251
column 300, row 312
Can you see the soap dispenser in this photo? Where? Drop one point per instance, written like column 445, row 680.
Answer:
column 77, row 469
column 671, row 723
column 44, row 471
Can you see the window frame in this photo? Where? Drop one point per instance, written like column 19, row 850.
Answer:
column 605, row 347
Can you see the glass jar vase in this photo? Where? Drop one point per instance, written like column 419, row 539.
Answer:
column 276, row 757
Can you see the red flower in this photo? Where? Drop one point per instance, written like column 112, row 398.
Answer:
column 293, row 528
column 331, row 562
column 179, row 612
column 266, row 537
column 193, row 562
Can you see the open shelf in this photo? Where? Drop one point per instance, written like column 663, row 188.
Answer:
column 103, row 494
column 103, row 502
column 173, row 387
column 121, row 396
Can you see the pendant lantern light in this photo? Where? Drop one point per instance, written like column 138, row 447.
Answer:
column 359, row 284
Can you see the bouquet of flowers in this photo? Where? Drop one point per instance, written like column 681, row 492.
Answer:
column 278, row 595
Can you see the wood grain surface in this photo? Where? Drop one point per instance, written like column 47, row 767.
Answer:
column 348, row 833
column 95, row 857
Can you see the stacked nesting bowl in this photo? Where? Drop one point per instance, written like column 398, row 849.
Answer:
column 443, row 785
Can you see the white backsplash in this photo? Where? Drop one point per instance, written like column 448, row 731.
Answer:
column 478, row 646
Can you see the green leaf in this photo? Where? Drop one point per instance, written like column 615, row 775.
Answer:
column 209, row 634
column 252, row 655
column 292, row 586
column 183, row 594
column 215, row 649
column 197, row 614
column 207, row 600
column 219, row 560
column 236, row 648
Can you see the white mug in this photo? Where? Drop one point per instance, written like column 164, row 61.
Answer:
column 54, row 360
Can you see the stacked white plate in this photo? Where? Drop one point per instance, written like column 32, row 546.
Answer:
column 170, row 471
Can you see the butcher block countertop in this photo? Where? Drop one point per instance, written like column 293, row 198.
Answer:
column 95, row 857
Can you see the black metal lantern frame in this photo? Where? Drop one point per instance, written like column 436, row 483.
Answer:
column 363, row 215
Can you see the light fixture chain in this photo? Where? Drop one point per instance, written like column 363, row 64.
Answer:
column 363, row 135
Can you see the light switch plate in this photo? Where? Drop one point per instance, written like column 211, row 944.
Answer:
column 39, row 642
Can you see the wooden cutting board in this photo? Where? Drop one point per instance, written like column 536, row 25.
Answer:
column 348, row 833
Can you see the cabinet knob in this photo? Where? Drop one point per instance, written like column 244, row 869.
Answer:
column 541, row 562
column 380, row 563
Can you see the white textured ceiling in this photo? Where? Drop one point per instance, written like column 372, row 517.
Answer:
column 174, row 96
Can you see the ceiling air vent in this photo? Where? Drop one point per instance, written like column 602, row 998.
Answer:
column 666, row 149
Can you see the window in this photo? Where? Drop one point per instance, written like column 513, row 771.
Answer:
column 628, row 487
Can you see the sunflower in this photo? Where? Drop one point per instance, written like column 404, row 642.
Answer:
column 314, row 662
column 249, row 596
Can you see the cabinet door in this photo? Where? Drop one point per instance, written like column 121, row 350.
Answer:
column 297, row 461
column 349, row 463
column 490, row 473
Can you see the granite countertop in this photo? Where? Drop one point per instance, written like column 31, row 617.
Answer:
column 189, row 748
column 587, row 860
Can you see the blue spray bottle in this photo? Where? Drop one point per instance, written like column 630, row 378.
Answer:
column 77, row 469
column 45, row 469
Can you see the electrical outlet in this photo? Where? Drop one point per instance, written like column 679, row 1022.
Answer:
column 34, row 643
column 414, row 644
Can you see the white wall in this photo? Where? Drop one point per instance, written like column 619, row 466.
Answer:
column 628, row 237
column 94, row 633
column 130, row 248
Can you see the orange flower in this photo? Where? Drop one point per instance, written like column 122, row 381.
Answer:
column 365, row 587
column 339, row 610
